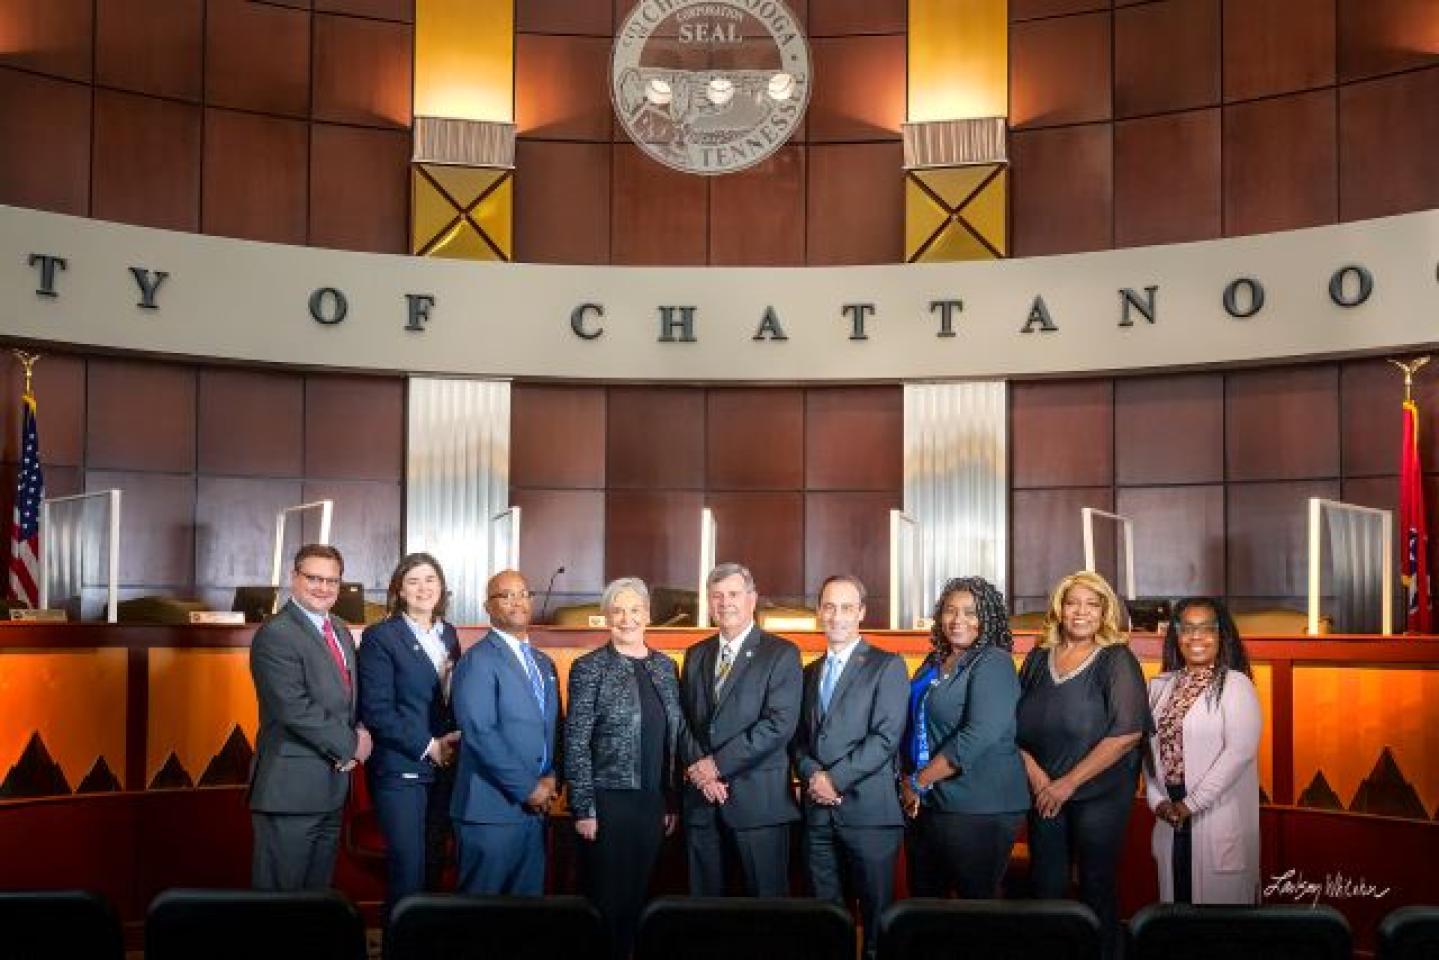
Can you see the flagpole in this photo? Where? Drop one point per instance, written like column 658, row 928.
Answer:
column 25, row 581
column 1410, row 368
column 1414, row 568
column 28, row 361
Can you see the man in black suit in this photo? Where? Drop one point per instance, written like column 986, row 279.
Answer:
column 303, row 664
column 852, row 720
column 741, row 691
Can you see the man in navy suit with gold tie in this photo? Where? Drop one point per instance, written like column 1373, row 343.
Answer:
column 851, row 723
column 506, row 699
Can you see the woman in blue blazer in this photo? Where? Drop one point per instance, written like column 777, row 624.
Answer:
column 404, row 667
column 967, row 791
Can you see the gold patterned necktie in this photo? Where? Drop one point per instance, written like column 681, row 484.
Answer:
column 726, row 661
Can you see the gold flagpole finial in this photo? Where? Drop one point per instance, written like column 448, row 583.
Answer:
column 1410, row 368
column 28, row 361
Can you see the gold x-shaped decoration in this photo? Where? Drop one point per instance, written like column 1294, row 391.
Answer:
column 956, row 213
column 464, row 213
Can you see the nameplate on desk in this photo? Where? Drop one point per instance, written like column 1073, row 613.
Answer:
column 232, row 618
column 790, row 623
column 39, row 616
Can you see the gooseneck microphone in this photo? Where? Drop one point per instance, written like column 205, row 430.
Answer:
column 544, row 608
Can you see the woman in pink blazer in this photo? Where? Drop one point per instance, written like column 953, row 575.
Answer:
column 1200, row 773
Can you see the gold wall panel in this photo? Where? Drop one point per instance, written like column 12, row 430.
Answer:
column 197, row 698
column 465, row 59
column 958, row 59
column 1353, row 715
column 74, row 700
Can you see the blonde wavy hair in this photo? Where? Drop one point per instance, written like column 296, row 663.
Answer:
column 1109, row 633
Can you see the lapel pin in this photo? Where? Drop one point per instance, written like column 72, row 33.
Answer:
column 748, row 653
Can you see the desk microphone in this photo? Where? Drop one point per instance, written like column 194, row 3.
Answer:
column 544, row 608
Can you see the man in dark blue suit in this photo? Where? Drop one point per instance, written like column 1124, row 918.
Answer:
column 740, row 690
column 404, row 665
column 852, row 720
column 506, row 699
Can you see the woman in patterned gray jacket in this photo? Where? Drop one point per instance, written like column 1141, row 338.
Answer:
column 620, row 733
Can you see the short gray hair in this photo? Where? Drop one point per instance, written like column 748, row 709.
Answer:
column 723, row 571
column 616, row 587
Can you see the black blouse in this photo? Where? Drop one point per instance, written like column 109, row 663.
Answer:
column 652, row 732
column 1059, row 723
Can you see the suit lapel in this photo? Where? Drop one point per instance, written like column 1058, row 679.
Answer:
column 742, row 657
column 405, row 635
column 814, row 715
column 520, row 673
column 706, row 654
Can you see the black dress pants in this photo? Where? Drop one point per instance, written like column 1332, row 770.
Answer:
column 619, row 862
column 963, row 853
column 1089, row 834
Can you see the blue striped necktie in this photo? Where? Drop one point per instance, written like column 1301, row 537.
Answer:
column 827, row 681
column 537, row 683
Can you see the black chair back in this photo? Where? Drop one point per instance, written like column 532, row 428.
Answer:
column 1409, row 933
column 435, row 926
column 1178, row 931
column 743, row 928
column 58, row 923
column 920, row 929
column 250, row 924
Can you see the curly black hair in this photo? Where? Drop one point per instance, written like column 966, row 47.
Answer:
column 988, row 602
column 1231, row 654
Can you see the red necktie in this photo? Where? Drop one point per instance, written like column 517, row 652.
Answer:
column 339, row 657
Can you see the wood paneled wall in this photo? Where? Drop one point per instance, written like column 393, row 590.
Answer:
column 1215, row 469
column 801, row 480
column 286, row 122
column 1132, row 123
column 206, row 456
column 585, row 194
column 1162, row 121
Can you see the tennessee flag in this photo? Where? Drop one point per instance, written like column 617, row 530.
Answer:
column 1414, row 540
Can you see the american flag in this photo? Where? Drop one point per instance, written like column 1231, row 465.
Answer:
column 25, row 530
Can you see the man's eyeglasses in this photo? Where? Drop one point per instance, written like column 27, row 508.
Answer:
column 1208, row 629
column 513, row 596
column 315, row 580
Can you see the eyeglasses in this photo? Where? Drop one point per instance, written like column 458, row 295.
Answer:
column 315, row 580
column 1207, row 629
column 513, row 596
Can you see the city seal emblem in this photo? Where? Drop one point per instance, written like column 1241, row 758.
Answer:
column 710, row 86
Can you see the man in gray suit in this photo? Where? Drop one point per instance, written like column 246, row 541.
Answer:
column 851, row 723
column 740, row 691
column 303, row 663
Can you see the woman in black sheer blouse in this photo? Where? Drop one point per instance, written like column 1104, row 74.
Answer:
column 1082, row 712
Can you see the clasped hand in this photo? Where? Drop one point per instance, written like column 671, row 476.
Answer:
column 822, row 791
column 1173, row 814
column 705, row 776
column 1052, row 797
column 542, row 795
column 363, row 745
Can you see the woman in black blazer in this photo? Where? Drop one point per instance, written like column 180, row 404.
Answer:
column 967, row 791
column 620, row 736
column 404, row 672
